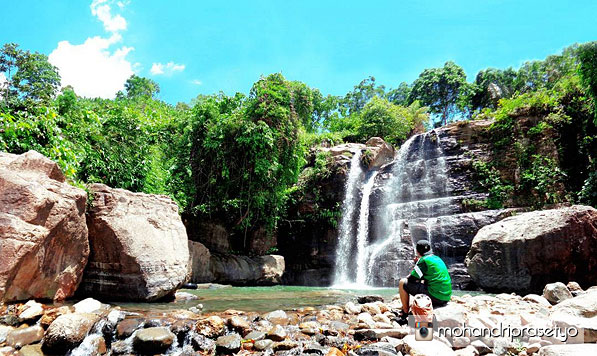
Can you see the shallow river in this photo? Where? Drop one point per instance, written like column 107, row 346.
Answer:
column 263, row 299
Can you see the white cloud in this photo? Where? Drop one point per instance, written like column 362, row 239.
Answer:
column 91, row 69
column 196, row 82
column 95, row 68
column 103, row 11
column 166, row 69
column 2, row 79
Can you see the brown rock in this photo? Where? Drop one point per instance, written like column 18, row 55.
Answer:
column 51, row 314
column 211, row 327
column 200, row 263
column 524, row 252
column 259, row 270
column 43, row 236
column 20, row 337
column 213, row 236
column 239, row 325
column 127, row 327
column 277, row 333
column 30, row 350
column 139, row 246
column 67, row 332
column 378, row 152
column 153, row 340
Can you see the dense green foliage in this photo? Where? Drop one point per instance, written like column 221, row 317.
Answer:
column 236, row 159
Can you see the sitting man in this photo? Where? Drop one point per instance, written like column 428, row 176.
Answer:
column 429, row 277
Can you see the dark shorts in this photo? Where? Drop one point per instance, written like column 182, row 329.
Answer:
column 416, row 287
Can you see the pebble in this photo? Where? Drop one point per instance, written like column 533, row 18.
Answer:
column 228, row 344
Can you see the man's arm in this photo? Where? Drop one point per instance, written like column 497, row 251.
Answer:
column 419, row 271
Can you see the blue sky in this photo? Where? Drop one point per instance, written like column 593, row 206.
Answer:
column 202, row 47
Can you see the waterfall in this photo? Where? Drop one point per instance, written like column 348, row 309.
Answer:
column 363, row 231
column 346, row 228
column 416, row 193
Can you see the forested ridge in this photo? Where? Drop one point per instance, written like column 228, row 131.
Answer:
column 237, row 159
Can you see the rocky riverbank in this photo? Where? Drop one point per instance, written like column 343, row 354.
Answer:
column 365, row 326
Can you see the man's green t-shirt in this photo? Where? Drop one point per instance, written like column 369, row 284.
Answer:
column 434, row 271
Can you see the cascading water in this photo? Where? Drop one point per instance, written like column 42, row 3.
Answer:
column 346, row 229
column 416, row 192
column 363, row 231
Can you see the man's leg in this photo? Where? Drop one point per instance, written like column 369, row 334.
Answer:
column 404, row 297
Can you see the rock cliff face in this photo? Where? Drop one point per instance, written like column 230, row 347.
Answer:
column 43, row 236
column 422, row 193
column 237, row 270
column 139, row 246
column 524, row 252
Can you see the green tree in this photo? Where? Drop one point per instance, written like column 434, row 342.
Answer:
column 587, row 54
column 441, row 89
column 140, row 87
column 400, row 95
column 245, row 153
column 354, row 101
column 29, row 76
column 490, row 86
column 386, row 120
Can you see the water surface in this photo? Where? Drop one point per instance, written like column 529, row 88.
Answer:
column 264, row 299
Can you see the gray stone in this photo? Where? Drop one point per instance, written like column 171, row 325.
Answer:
column 202, row 343
column 89, row 305
column 556, row 292
column 426, row 348
column 153, row 340
column 534, row 298
column 377, row 334
column 262, row 345
column 369, row 299
column 277, row 333
column 580, row 312
column 199, row 263
column 314, row 348
column 377, row 349
column 285, row 345
column 255, row 335
column 277, row 317
column 524, row 252
column 228, row 344
column 568, row 350
column 33, row 311
column 258, row 270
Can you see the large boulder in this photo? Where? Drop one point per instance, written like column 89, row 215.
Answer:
column 199, row 263
column 139, row 246
column 377, row 153
column 67, row 332
column 524, row 252
column 580, row 312
column 43, row 236
column 213, row 236
column 242, row 270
